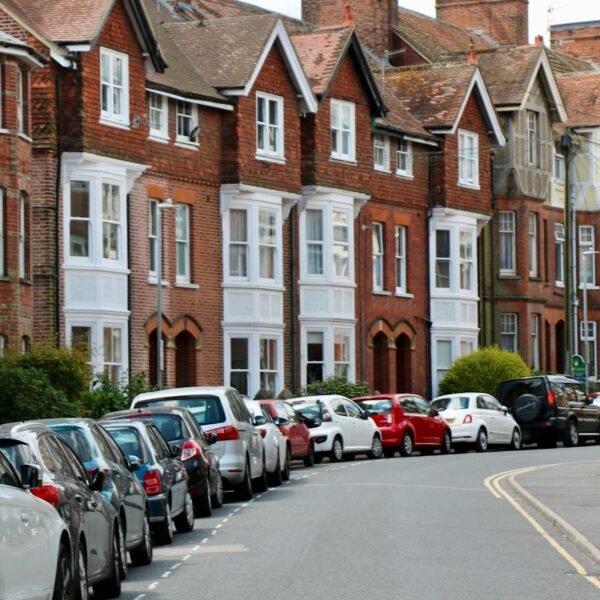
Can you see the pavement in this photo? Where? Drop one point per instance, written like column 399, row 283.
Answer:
column 567, row 495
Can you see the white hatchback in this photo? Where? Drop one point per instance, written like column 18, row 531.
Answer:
column 479, row 420
column 342, row 428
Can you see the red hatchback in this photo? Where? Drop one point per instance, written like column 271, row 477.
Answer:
column 292, row 425
column 407, row 423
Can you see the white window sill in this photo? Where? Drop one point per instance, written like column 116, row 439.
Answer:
column 4, row 131
column 116, row 124
column 471, row 186
column 508, row 274
column 185, row 143
column 401, row 294
column 161, row 139
column 275, row 287
column 279, row 160
column 381, row 293
column 187, row 285
column 404, row 175
column 382, row 170
column 153, row 281
column 25, row 137
column 589, row 287
column 559, row 284
column 347, row 160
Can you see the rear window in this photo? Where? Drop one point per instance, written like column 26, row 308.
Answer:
column 206, row 409
column 169, row 425
column 453, row 403
column 380, row 406
column 130, row 442
column 312, row 411
column 19, row 454
column 509, row 391
column 76, row 440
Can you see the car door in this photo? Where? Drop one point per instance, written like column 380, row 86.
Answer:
column 363, row 427
column 578, row 406
column 483, row 413
column 249, row 433
column 342, row 421
column 415, row 418
column 296, row 427
column 428, row 421
column 504, row 423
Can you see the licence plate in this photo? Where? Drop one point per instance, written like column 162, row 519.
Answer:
column 450, row 421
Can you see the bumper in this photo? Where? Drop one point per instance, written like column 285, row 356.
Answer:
column 553, row 429
column 232, row 469
column 322, row 441
column 390, row 437
column 198, row 474
column 157, row 508
column 464, row 433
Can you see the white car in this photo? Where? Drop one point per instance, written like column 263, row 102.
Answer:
column 274, row 441
column 479, row 420
column 342, row 428
column 34, row 544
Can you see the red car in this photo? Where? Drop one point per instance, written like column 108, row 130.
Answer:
column 407, row 423
column 292, row 425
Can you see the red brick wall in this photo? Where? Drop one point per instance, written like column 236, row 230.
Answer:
column 583, row 42
column 505, row 21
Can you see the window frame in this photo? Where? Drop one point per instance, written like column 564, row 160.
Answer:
column 381, row 145
column 109, row 117
column 184, row 140
column 509, row 329
column 272, row 247
column 504, row 271
column 23, row 236
column 443, row 259
column 315, row 243
column 463, row 159
column 378, row 256
column 22, row 80
column 401, row 282
column 533, row 239
column 182, row 209
column 583, row 246
column 534, row 335
column 407, row 154
column 337, row 131
column 342, row 364
column 533, row 138
column 161, row 134
column 308, row 362
column 153, row 237
column 272, row 368
column 245, row 244
column 559, row 254
column 107, row 220
column 585, row 328
column 279, row 128
column 119, row 364
column 468, row 260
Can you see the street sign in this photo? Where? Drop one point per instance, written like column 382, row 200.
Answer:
column 578, row 368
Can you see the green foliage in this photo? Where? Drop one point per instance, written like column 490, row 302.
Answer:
column 339, row 386
column 482, row 371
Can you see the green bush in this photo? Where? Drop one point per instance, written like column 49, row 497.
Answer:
column 482, row 371
column 339, row 386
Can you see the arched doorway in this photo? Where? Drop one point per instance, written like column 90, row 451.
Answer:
column 403, row 364
column 152, row 358
column 185, row 360
column 560, row 347
column 381, row 363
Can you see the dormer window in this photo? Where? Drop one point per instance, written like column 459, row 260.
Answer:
column 187, row 123
column 114, row 87
column 533, row 138
column 343, row 133
column 269, row 126
column 158, row 112
column 468, row 159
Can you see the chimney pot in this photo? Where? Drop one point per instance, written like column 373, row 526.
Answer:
column 348, row 17
column 539, row 40
column 472, row 59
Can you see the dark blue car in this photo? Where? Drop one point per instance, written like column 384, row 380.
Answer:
column 163, row 476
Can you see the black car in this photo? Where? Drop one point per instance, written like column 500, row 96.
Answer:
column 93, row 522
column 182, row 432
column 551, row 408
column 163, row 476
column 97, row 450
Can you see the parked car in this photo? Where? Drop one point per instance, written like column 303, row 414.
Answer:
column 163, row 476
column 478, row 420
column 183, row 433
column 35, row 544
column 549, row 408
column 221, row 410
column 407, row 423
column 344, row 429
column 275, row 445
column 98, row 451
column 96, row 540
column 294, row 427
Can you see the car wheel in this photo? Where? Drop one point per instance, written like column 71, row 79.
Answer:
column 515, row 440
column 217, row 497
column 337, row 450
column 122, row 552
column 184, row 522
column 63, row 580
column 275, row 478
column 143, row 552
column 407, row 446
column 285, row 474
column 164, row 530
column 80, row 583
column 203, row 505
column 261, row 483
column 376, row 448
column 244, row 489
column 309, row 459
column 446, row 446
column 111, row 586
column 571, row 434
column 389, row 452
column 481, row 443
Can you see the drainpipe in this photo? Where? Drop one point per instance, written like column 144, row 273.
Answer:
column 293, row 290
column 361, row 270
column 428, row 349
column 493, row 250
column 57, row 214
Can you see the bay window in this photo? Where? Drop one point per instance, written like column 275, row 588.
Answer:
column 113, row 361
column 111, row 221
column 267, row 244
column 466, row 260
column 268, row 366
column 341, row 251
column 314, row 242
column 80, row 223
column 341, row 355
column 315, row 356
column 238, row 243
column 444, row 358
column 239, row 365
column 269, row 125
column 342, row 130
column 442, row 259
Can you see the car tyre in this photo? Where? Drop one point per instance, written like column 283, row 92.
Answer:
column 217, row 498
column 244, row 489
column 407, row 444
column 275, row 478
column 481, row 443
column 261, row 483
column 111, row 586
column 123, row 552
column 309, row 459
column 164, row 529
column 64, row 580
column 80, row 580
column 376, row 448
column 203, row 505
column 184, row 522
column 515, row 440
column 285, row 473
column 446, row 445
column 571, row 437
column 142, row 554
column 337, row 450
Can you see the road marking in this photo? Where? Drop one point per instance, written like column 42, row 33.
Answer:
column 140, row 597
column 196, row 547
column 165, row 574
column 218, row 527
column 230, row 515
column 237, row 509
column 202, row 542
column 186, row 557
column 235, row 548
column 214, row 532
column 493, row 485
column 175, row 566
column 153, row 585
column 225, row 520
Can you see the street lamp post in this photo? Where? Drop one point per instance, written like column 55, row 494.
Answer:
column 168, row 203
column 586, row 347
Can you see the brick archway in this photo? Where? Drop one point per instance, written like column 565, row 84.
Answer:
column 187, row 336
column 405, row 328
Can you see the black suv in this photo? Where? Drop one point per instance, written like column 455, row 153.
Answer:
column 551, row 408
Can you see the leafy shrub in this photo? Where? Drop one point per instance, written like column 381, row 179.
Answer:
column 482, row 371
column 339, row 386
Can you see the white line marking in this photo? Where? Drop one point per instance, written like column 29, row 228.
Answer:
column 175, row 566
column 165, row 574
column 237, row 509
column 213, row 532
column 203, row 542
column 153, row 585
column 230, row 515
column 187, row 557
column 218, row 526
column 140, row 597
column 197, row 547
column 244, row 505
column 225, row 520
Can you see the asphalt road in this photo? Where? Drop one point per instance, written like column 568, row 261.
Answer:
column 424, row 528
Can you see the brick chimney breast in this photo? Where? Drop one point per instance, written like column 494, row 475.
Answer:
column 504, row 21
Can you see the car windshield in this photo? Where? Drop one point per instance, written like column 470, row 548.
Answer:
column 17, row 454
column 379, row 406
column 169, row 425
column 77, row 441
column 312, row 411
column 130, row 442
column 451, row 403
column 206, row 409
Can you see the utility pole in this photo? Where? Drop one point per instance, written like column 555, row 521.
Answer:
column 566, row 143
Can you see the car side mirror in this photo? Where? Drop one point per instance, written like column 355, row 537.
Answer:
column 175, row 451
column 31, row 476
column 133, row 463
column 504, row 409
column 280, row 421
column 259, row 420
column 365, row 416
column 98, row 480
column 212, row 438
column 433, row 412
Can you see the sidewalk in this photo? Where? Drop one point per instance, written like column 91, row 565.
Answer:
column 569, row 497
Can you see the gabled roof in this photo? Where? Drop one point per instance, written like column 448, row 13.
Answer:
column 510, row 74
column 437, row 95
column 230, row 53
column 322, row 53
column 581, row 95
column 436, row 40
column 12, row 46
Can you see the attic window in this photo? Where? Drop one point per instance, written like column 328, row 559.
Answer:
column 381, row 152
column 158, row 112
column 114, row 87
column 343, row 132
column 468, row 159
column 533, row 138
column 269, row 126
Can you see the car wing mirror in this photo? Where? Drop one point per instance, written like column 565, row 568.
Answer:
column 433, row 412
column 133, row 463
column 212, row 438
column 504, row 409
column 31, row 476
column 175, row 450
column 365, row 415
column 97, row 482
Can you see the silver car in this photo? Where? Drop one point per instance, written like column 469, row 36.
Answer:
column 221, row 410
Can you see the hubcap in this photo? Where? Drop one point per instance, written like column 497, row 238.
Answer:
column 516, row 439
column 483, row 439
column 337, row 449
column 189, row 508
column 573, row 433
column 376, row 448
column 83, row 588
column 408, row 444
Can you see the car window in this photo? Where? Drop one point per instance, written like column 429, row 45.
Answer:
column 114, row 448
column 492, row 403
column 18, row 454
column 207, row 410
column 509, row 391
column 422, row 406
column 409, row 406
column 168, row 424
column 46, row 455
column 574, row 393
column 352, row 410
column 312, row 411
column 292, row 415
column 60, row 462
column 266, row 414
column 451, row 403
column 481, row 403
column 7, row 474
column 338, row 408
column 73, row 461
column 161, row 447
column 77, row 441
column 130, row 442
column 102, row 445
column 379, row 406
column 281, row 411
column 560, row 396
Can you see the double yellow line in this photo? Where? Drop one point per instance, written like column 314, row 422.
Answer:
column 492, row 483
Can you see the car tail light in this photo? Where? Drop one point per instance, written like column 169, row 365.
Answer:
column 468, row 419
column 227, row 433
column 326, row 416
column 48, row 492
column 551, row 398
column 152, row 485
column 189, row 450
column 388, row 418
column 263, row 432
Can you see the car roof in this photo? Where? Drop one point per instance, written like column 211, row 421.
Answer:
column 181, row 392
column 556, row 378
column 77, row 421
column 31, row 427
column 145, row 410
column 312, row 399
column 463, row 395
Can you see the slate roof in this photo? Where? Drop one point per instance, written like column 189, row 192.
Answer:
column 581, row 95
column 437, row 40
column 398, row 119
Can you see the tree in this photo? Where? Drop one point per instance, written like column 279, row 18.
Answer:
column 482, row 371
column 338, row 386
